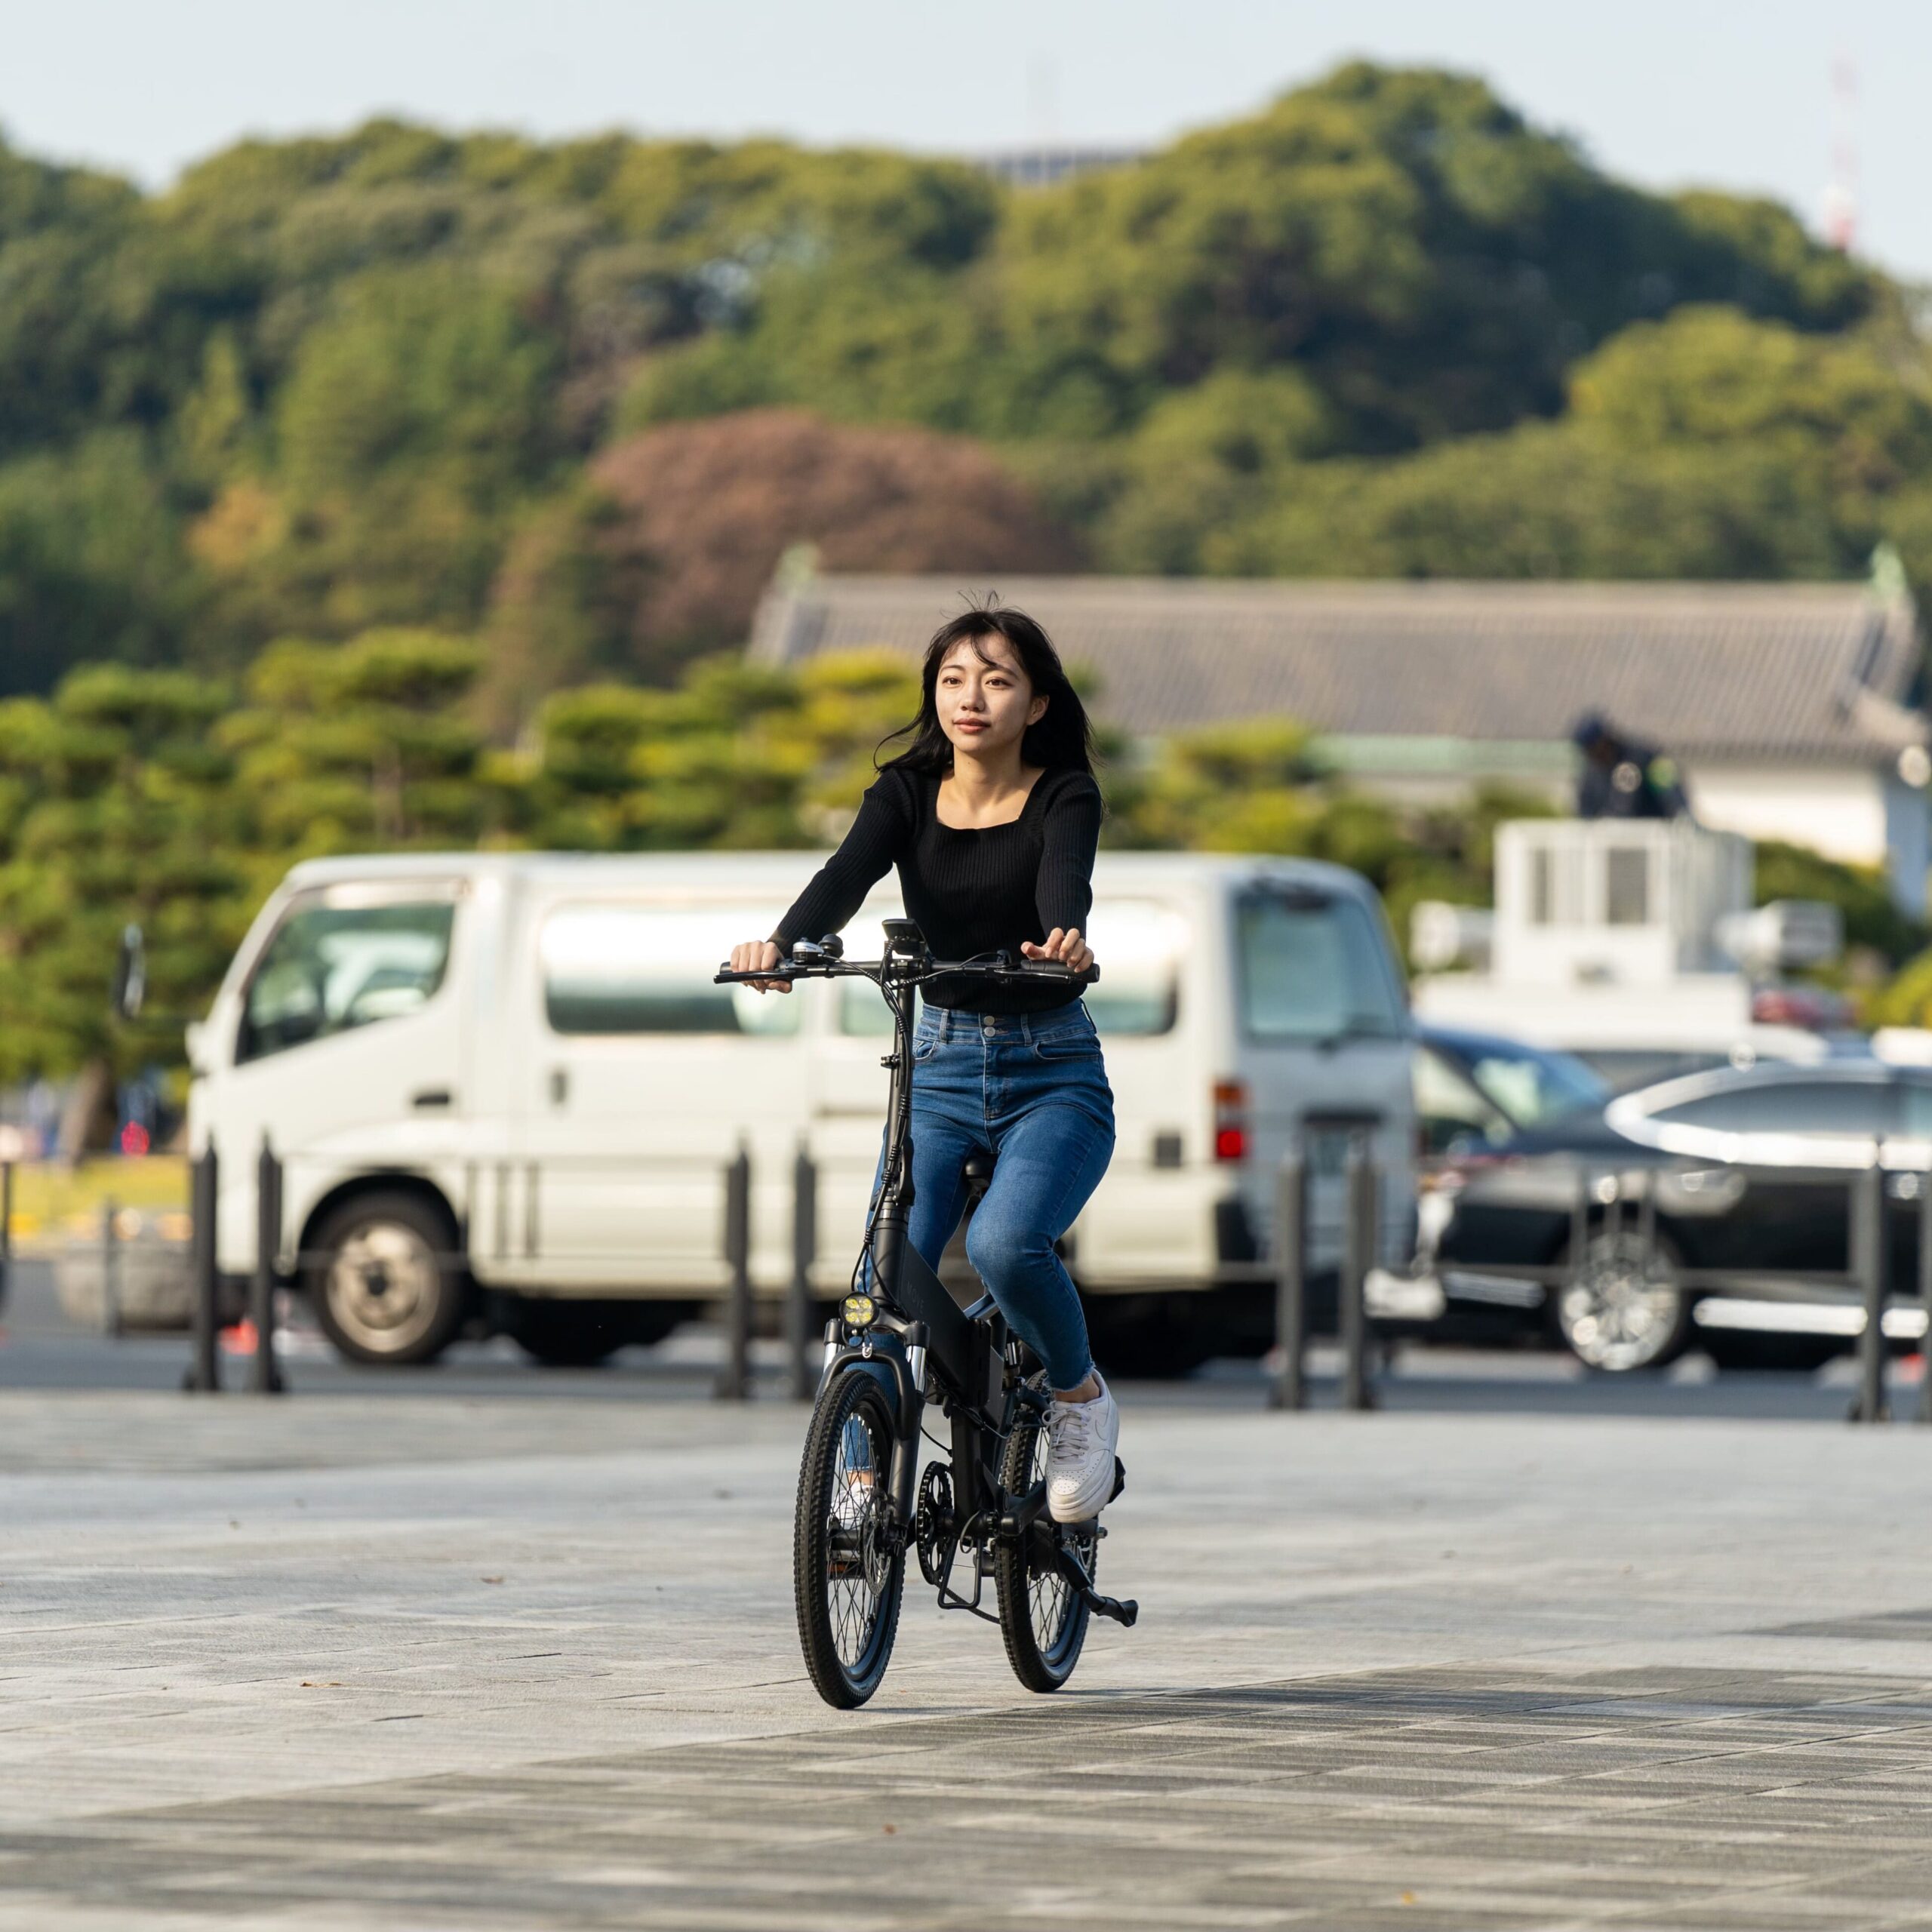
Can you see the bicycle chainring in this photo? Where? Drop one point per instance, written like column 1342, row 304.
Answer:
column 936, row 1526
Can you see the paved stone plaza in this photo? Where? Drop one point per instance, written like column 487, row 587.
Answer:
column 421, row 1662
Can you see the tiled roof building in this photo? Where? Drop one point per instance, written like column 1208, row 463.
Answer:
column 1794, row 706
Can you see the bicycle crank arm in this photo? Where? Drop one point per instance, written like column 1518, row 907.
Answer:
column 1127, row 1613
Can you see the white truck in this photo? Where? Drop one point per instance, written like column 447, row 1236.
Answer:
column 504, row 1089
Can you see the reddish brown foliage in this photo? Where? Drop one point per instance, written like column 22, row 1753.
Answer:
column 710, row 506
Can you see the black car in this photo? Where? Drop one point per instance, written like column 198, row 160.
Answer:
column 1748, row 1173
column 1478, row 1090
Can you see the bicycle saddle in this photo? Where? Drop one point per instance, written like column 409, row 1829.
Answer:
column 977, row 1174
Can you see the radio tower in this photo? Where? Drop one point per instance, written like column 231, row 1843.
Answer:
column 1842, row 196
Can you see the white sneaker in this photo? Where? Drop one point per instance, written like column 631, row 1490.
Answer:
column 1080, row 1464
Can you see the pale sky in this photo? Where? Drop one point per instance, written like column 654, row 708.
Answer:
column 1736, row 93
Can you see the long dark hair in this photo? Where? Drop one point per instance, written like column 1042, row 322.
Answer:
column 1062, row 739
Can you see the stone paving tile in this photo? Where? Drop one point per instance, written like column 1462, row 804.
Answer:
column 257, row 1670
column 725, row 1834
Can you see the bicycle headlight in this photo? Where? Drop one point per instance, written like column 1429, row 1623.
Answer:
column 858, row 1311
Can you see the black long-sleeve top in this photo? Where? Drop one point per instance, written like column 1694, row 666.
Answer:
column 969, row 891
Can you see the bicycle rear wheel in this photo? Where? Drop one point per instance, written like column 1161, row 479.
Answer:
column 847, row 1576
column 1043, row 1622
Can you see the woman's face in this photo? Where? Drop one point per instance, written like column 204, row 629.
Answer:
column 984, row 698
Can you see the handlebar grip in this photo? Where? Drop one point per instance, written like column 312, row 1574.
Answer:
column 1051, row 969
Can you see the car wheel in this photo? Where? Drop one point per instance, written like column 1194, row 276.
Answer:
column 385, row 1282
column 1621, row 1311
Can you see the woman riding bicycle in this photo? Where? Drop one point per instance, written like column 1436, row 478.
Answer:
column 992, row 815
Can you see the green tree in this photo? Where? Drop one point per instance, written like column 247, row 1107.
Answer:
column 91, row 561
column 113, row 808
column 363, row 747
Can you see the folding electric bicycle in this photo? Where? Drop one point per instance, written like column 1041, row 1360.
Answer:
column 899, row 1341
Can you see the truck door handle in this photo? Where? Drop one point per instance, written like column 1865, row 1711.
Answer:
column 560, row 1086
column 433, row 1097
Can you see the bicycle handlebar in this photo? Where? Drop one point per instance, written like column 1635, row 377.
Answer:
column 870, row 969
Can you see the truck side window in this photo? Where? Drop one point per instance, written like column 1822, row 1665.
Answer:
column 329, row 969
column 1139, row 944
column 618, row 969
column 1313, row 967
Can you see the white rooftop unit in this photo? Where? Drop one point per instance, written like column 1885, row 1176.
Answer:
column 1616, row 935
column 1625, row 901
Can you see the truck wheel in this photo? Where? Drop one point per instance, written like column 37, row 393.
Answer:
column 562, row 1333
column 1622, row 1312
column 385, row 1283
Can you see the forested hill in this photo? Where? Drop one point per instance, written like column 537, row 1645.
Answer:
column 577, row 399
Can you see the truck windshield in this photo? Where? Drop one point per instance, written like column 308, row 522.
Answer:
column 332, row 968
column 1314, row 968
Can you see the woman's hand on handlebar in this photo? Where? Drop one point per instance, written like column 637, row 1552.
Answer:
column 1066, row 949
column 758, row 955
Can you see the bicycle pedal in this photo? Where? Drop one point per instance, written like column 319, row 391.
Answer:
column 1120, row 1477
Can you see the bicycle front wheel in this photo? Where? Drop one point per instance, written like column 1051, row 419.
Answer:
column 847, row 1572
column 1043, row 1622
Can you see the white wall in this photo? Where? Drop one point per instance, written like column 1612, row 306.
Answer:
column 1852, row 813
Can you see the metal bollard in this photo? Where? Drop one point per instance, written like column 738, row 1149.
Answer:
column 1289, row 1390
column 1868, row 1244
column 798, row 1337
column 264, row 1373
column 1579, row 1223
column 204, row 1375
column 1925, row 1291
column 1358, row 1249
column 735, row 1377
column 6, row 1229
column 110, row 1268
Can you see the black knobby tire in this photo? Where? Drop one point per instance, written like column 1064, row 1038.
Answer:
column 384, row 1279
column 1043, row 1623
column 847, row 1576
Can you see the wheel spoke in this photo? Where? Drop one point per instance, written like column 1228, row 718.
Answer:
column 1050, row 1599
column 852, row 1527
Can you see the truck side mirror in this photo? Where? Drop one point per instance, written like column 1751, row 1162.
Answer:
column 131, row 974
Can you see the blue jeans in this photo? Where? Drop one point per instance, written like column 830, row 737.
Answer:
column 1031, row 1090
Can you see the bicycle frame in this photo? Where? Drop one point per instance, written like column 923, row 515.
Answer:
column 919, row 1332
column 921, row 1323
